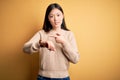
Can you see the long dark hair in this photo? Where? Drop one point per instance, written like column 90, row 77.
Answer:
column 47, row 26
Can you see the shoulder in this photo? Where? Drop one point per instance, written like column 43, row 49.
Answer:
column 41, row 31
column 68, row 32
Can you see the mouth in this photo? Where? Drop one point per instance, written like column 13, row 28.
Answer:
column 56, row 23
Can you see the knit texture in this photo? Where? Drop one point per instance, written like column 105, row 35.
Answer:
column 54, row 64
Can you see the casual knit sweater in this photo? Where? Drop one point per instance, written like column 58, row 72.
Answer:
column 53, row 64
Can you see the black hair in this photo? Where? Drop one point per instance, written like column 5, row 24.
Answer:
column 47, row 26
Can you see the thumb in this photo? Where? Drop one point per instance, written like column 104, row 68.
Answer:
column 58, row 34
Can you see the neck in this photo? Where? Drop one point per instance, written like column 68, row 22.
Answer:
column 57, row 29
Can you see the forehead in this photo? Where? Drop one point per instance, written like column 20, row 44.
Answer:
column 55, row 11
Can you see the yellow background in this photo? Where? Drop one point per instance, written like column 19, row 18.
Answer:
column 95, row 23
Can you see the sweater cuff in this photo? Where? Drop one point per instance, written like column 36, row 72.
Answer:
column 35, row 46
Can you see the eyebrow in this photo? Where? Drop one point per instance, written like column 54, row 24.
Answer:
column 55, row 13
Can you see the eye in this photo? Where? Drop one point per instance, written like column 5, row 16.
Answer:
column 51, row 16
column 58, row 15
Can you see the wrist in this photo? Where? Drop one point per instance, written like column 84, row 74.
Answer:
column 45, row 44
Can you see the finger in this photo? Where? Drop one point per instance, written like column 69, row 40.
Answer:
column 52, row 36
column 48, row 45
column 58, row 34
column 53, row 49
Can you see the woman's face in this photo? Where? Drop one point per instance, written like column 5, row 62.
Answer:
column 55, row 17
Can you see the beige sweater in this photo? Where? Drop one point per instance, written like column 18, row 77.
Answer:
column 54, row 64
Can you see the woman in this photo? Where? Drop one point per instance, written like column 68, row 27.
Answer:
column 56, row 46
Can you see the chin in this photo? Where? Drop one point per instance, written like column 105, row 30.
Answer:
column 57, row 26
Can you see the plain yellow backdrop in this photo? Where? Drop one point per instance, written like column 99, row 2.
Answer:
column 96, row 26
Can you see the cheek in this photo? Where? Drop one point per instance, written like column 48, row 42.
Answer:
column 61, row 18
column 51, row 20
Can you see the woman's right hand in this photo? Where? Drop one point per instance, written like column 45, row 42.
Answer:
column 47, row 44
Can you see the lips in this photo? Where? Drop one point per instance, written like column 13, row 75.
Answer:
column 56, row 23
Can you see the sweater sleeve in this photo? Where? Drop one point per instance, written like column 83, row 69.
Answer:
column 32, row 45
column 70, row 49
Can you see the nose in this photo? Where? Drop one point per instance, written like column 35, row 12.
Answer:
column 55, row 18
